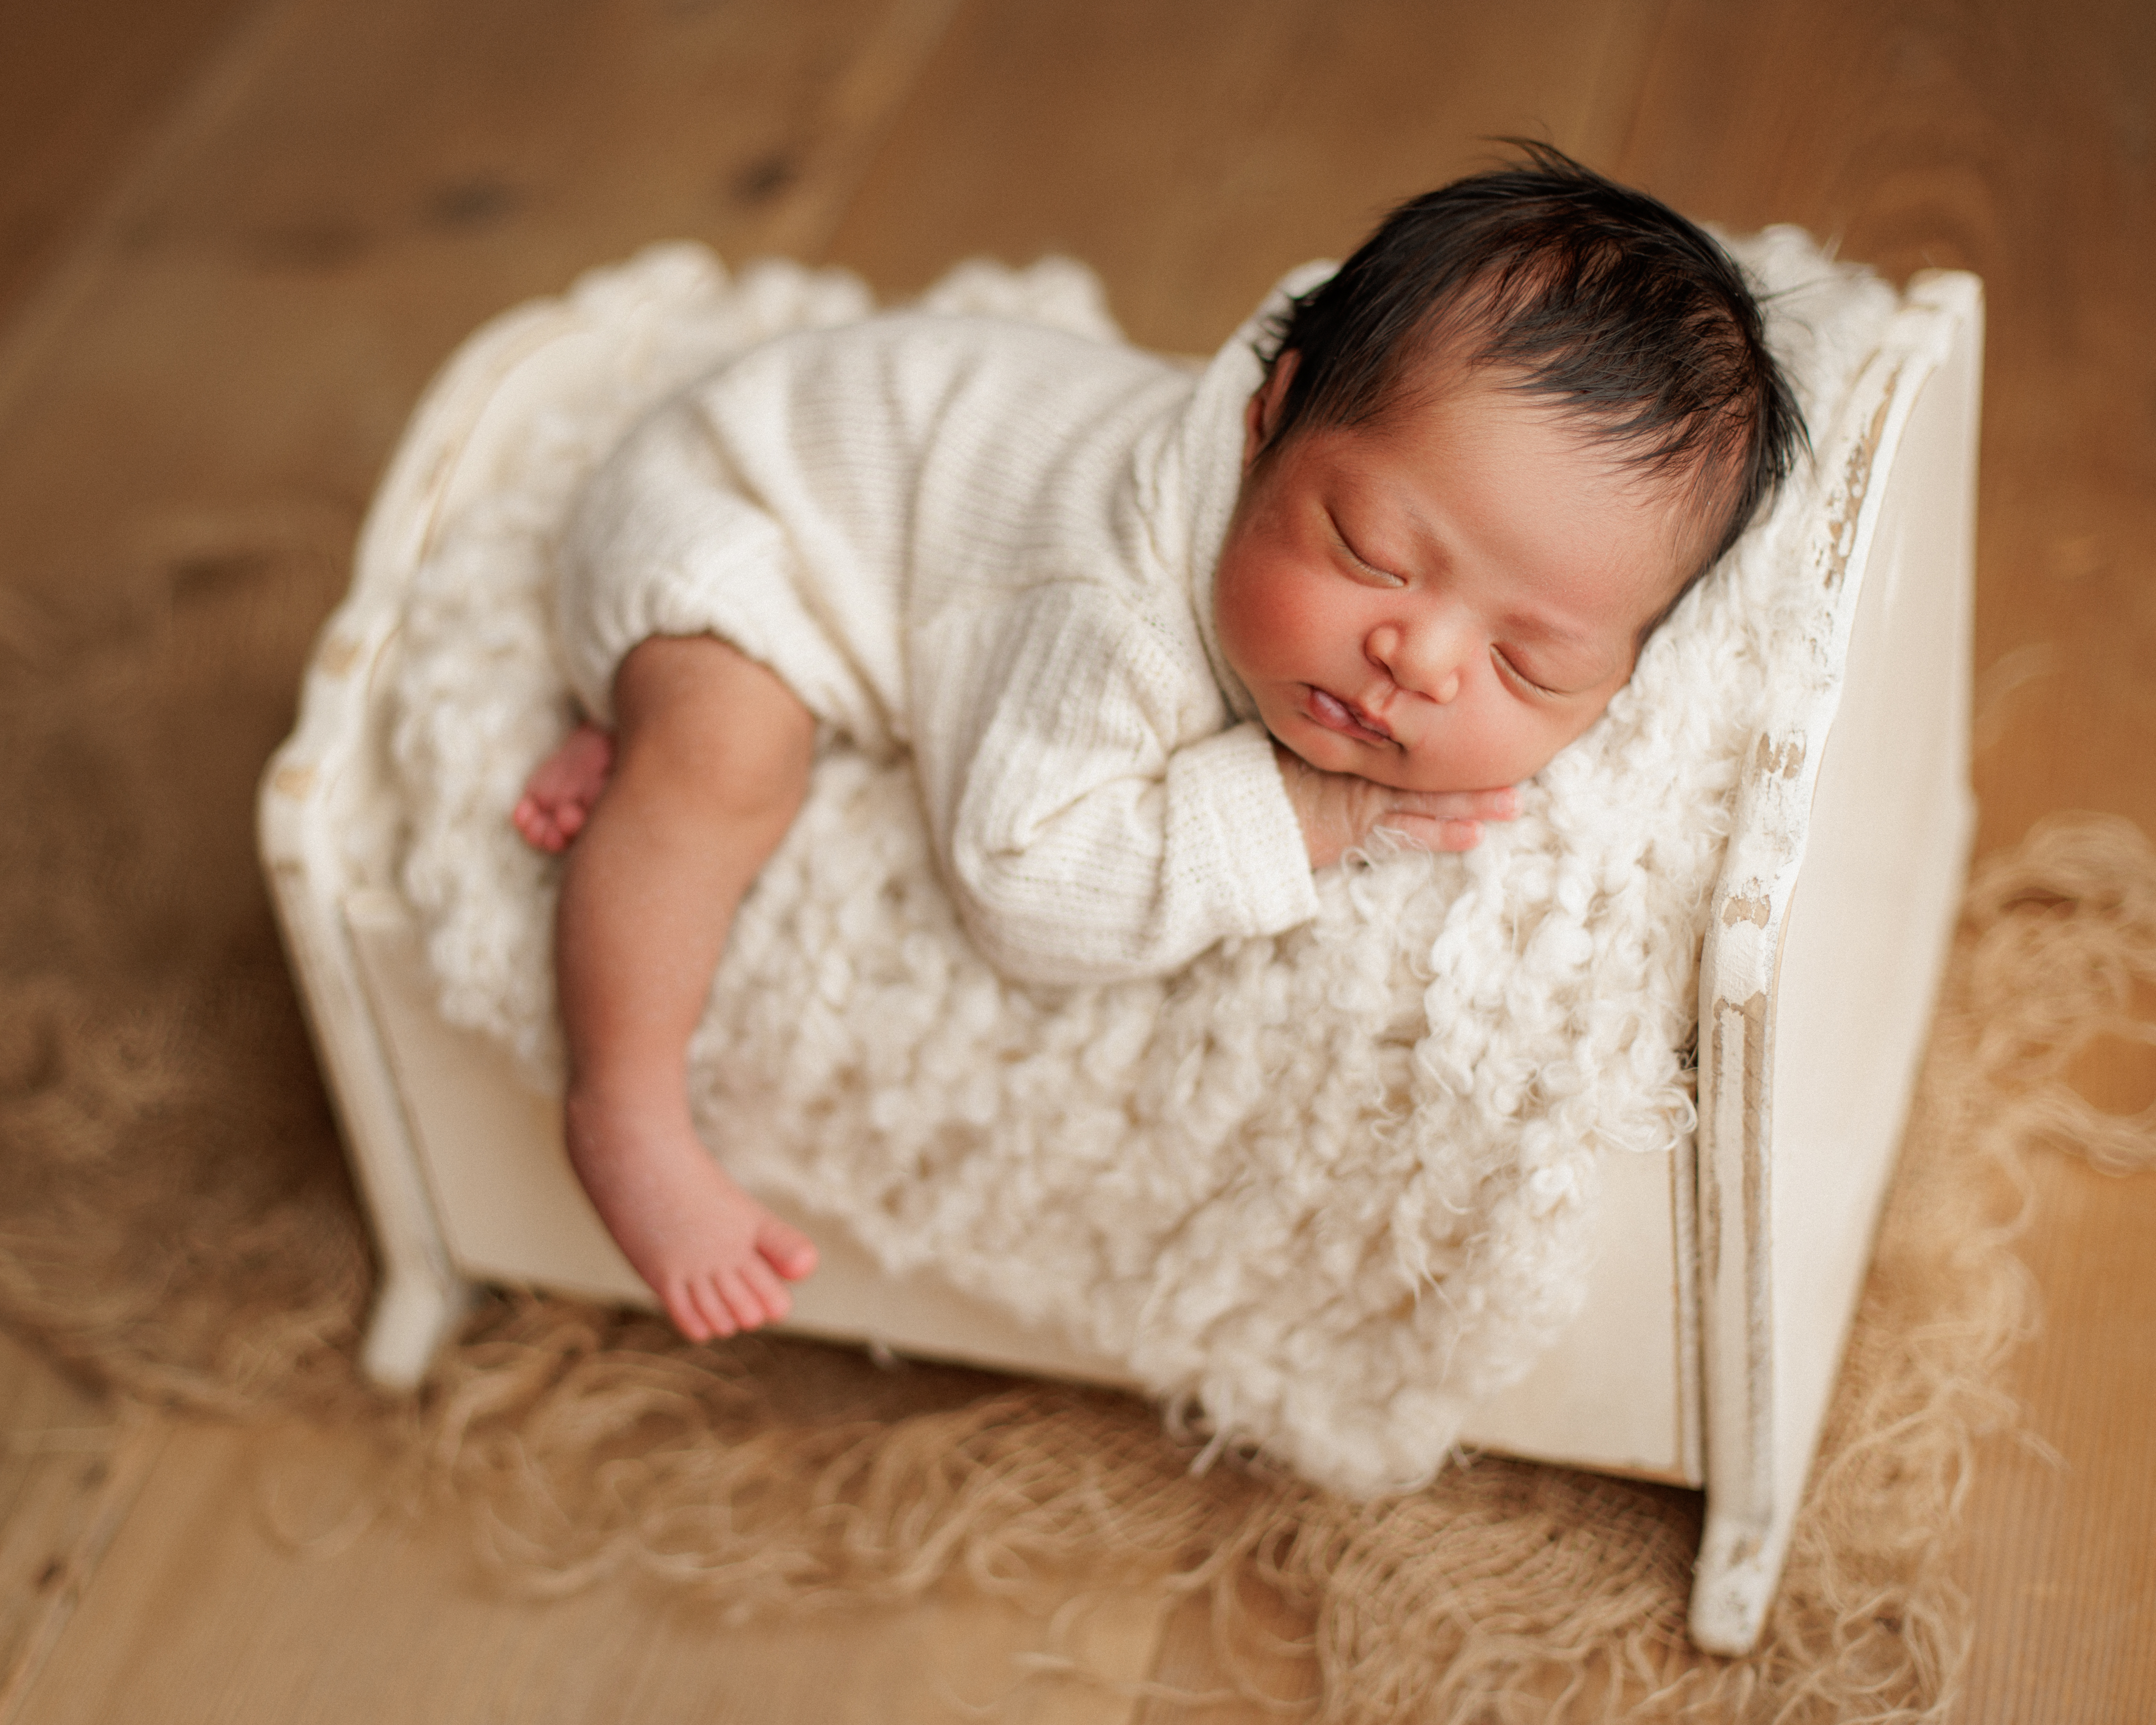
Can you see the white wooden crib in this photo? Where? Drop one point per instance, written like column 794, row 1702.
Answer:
column 1707, row 1348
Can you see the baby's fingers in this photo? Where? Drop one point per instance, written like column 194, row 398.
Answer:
column 1422, row 833
column 1447, row 820
column 1463, row 806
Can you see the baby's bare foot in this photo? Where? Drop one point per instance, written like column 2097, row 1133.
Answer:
column 558, row 797
column 717, row 1259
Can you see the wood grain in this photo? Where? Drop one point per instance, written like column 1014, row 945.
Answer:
column 256, row 1583
column 70, row 1465
column 1191, row 153
column 366, row 185
column 88, row 85
column 2062, row 1539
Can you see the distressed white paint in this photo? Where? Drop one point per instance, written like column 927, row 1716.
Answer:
column 1827, row 935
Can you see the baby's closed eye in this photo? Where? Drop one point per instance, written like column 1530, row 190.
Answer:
column 1509, row 660
column 1366, row 564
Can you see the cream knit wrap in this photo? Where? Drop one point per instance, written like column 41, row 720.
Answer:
column 1326, row 1188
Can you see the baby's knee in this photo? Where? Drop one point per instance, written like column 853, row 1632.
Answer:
column 662, row 672
column 701, row 704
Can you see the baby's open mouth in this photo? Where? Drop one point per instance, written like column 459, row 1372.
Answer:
column 1336, row 714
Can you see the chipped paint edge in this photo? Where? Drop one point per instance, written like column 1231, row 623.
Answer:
column 1750, row 1514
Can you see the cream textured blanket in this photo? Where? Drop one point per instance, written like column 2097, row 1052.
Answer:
column 1325, row 1190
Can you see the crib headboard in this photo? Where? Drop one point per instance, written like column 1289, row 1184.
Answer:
column 1828, row 934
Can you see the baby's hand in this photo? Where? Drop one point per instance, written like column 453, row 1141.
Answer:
column 1338, row 811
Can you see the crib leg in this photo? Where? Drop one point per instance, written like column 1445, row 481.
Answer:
column 415, row 1309
column 1734, row 1580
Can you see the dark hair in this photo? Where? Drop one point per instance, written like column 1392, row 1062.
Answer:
column 1599, row 296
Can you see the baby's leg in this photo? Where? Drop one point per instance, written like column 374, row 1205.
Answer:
column 710, row 765
column 564, row 788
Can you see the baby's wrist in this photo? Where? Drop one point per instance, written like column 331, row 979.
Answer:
column 1322, row 842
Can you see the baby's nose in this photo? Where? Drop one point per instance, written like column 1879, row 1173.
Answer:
column 1424, row 660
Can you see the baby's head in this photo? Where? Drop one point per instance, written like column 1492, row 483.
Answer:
column 1489, row 456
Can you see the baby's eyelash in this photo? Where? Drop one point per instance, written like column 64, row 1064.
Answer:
column 1511, row 664
column 1362, row 562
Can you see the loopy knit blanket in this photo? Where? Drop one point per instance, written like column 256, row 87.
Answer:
column 1320, row 1191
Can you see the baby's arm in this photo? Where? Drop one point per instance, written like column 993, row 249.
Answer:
column 711, row 762
column 1338, row 811
column 1094, row 822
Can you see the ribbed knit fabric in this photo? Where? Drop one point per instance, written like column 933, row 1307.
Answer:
column 987, row 545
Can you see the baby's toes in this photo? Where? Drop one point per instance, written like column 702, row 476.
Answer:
column 715, row 1318
column 743, row 1301
column 785, row 1248
column 686, row 1314
column 768, row 1291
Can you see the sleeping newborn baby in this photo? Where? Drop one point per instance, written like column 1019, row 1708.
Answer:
column 1158, row 644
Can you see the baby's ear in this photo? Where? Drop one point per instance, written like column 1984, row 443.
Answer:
column 1263, row 413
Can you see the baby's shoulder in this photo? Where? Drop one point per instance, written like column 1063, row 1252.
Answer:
column 966, row 384
column 919, row 347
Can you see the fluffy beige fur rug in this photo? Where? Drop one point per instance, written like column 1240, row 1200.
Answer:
column 177, row 1220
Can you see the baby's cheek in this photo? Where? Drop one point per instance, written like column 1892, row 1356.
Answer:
column 1486, row 751
column 1282, row 624
column 1554, row 739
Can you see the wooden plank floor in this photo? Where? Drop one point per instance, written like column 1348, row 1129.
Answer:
column 245, row 1584
column 236, row 235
